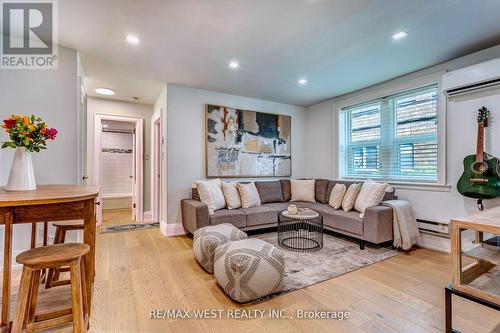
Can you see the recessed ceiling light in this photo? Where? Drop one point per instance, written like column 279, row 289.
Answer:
column 302, row 81
column 234, row 64
column 399, row 35
column 105, row 91
column 132, row 39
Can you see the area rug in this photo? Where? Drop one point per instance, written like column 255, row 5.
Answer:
column 129, row 227
column 338, row 256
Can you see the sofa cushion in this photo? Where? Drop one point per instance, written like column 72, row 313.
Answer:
column 235, row 217
column 278, row 207
column 345, row 221
column 210, row 192
column 332, row 183
column 270, row 191
column 320, row 189
column 249, row 195
column 302, row 190
column 350, row 197
column 371, row 194
column 337, row 195
column 287, row 190
column 311, row 205
column 260, row 215
column 231, row 194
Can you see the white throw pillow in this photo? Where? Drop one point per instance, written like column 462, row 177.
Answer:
column 210, row 193
column 370, row 195
column 302, row 190
column 350, row 197
column 231, row 194
column 249, row 195
column 337, row 195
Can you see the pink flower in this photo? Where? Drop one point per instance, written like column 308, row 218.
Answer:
column 51, row 133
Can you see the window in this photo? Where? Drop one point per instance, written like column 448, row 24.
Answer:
column 392, row 138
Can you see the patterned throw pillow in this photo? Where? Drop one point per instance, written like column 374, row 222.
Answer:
column 210, row 193
column 231, row 194
column 350, row 197
column 249, row 195
column 302, row 190
column 337, row 195
column 370, row 195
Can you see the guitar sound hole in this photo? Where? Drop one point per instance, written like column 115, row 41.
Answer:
column 479, row 167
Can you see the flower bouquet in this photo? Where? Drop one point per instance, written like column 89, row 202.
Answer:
column 26, row 135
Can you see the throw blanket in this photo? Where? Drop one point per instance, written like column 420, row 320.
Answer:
column 404, row 225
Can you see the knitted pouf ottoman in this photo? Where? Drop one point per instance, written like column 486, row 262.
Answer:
column 249, row 269
column 206, row 240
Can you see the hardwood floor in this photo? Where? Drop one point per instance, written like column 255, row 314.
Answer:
column 139, row 271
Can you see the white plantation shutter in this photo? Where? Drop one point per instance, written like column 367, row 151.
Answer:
column 392, row 138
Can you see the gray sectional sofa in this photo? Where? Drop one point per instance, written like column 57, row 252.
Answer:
column 375, row 227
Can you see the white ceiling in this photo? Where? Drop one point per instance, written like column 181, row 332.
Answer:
column 338, row 45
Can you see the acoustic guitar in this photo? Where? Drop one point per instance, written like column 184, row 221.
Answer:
column 480, row 179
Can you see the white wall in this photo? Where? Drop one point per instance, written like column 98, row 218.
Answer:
column 125, row 109
column 52, row 95
column 437, row 204
column 186, row 137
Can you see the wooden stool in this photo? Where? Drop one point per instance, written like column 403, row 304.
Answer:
column 33, row 262
column 52, row 277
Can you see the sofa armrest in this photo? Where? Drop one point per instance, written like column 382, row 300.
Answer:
column 377, row 224
column 194, row 214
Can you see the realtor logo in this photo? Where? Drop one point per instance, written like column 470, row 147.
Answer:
column 29, row 34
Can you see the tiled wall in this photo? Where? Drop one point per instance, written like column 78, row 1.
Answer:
column 117, row 163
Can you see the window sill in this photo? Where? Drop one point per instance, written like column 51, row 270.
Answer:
column 409, row 185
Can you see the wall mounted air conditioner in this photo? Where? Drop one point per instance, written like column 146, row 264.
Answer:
column 472, row 78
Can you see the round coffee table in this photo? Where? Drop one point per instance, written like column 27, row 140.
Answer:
column 302, row 232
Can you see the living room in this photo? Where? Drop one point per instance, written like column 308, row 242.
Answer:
column 329, row 166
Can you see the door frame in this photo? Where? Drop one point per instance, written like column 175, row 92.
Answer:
column 139, row 163
column 156, row 165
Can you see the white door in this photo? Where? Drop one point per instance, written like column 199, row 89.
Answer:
column 134, row 178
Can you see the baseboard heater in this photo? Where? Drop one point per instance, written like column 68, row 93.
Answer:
column 433, row 228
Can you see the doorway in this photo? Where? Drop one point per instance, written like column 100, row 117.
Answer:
column 118, row 164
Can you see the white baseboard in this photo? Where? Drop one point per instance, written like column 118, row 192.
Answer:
column 169, row 230
column 434, row 242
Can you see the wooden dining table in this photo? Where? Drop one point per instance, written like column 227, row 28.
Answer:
column 45, row 204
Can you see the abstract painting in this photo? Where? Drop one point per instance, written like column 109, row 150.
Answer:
column 241, row 143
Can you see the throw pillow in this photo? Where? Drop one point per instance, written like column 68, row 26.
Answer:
column 302, row 190
column 337, row 195
column 210, row 193
column 371, row 194
column 350, row 197
column 231, row 194
column 249, row 195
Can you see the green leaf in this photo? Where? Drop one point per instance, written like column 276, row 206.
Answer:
column 9, row 144
column 32, row 118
